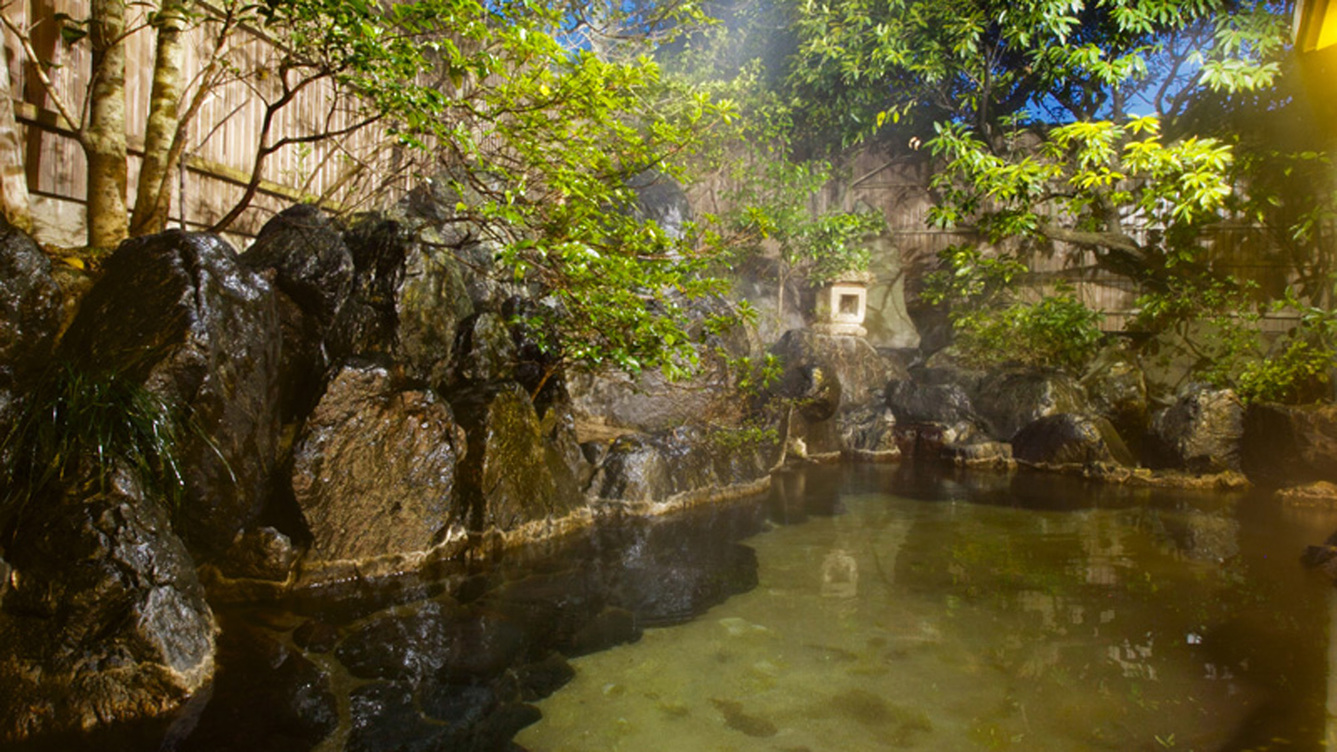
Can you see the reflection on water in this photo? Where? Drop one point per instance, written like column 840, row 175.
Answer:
column 915, row 610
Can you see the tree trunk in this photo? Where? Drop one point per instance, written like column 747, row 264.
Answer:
column 153, row 194
column 104, row 139
column 13, row 178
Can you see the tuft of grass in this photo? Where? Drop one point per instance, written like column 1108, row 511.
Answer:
column 80, row 426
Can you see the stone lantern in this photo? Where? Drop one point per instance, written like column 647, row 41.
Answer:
column 842, row 305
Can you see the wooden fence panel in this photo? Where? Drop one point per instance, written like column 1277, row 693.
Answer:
column 222, row 139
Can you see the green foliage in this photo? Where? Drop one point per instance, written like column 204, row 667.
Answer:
column 1217, row 319
column 992, row 326
column 1300, row 372
column 967, row 278
column 752, row 377
column 78, row 426
column 747, row 436
column 547, row 141
column 1059, row 331
column 866, row 64
column 1300, row 367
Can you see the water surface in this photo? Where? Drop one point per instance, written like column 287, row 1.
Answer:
column 903, row 608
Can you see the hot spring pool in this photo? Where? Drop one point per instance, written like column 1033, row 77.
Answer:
column 905, row 608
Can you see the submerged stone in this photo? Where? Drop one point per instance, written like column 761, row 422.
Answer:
column 294, row 708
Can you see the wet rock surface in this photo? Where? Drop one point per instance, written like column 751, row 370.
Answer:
column 1200, row 432
column 915, row 402
column 1068, row 439
column 650, row 402
column 1011, row 399
column 510, row 475
column 375, row 470
column 685, row 461
column 178, row 313
column 1287, row 444
column 860, row 370
column 1117, row 389
column 869, row 433
column 30, row 312
column 124, row 635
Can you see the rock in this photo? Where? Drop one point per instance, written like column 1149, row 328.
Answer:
column 303, row 251
column 430, row 304
column 293, row 708
column 650, row 402
column 178, row 313
column 507, row 477
column 106, row 621
column 933, row 440
column 1014, row 398
column 634, row 469
column 384, row 718
column 262, row 553
column 674, row 587
column 462, row 706
column 374, row 471
column 679, row 463
column 661, row 199
column 408, row 646
column 31, row 312
column 566, row 456
column 433, row 639
column 483, row 645
column 859, row 369
column 1069, row 439
column 315, row 636
column 869, row 434
column 368, row 323
column 993, row 454
column 313, row 266
column 612, row 626
column 553, row 606
column 1117, row 390
column 1317, row 494
column 1201, row 431
column 539, row 680
column 1287, row 444
column 814, row 390
column 915, row 402
column 486, row 350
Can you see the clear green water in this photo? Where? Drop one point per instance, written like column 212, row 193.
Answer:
column 967, row 612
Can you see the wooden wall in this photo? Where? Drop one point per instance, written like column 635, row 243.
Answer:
column 222, row 139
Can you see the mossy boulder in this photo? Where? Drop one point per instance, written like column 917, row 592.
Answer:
column 511, row 474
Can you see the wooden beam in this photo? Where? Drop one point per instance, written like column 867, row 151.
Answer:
column 52, row 122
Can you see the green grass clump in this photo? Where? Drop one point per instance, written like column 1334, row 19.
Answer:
column 78, row 427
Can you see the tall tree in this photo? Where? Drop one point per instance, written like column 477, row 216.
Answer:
column 165, row 101
column 14, row 201
column 103, row 138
